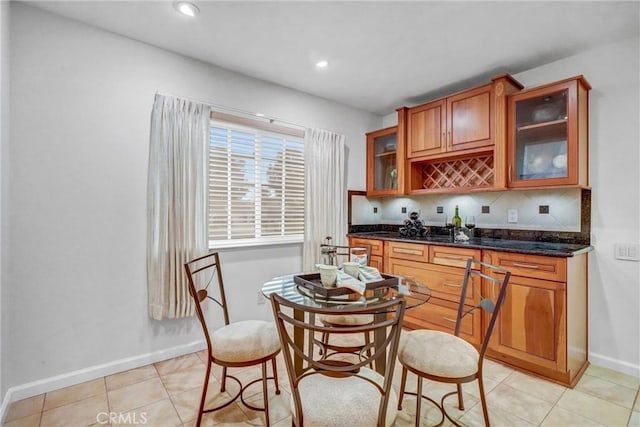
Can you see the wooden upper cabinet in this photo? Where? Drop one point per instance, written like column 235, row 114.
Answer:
column 460, row 122
column 426, row 129
column 469, row 119
column 386, row 159
column 548, row 135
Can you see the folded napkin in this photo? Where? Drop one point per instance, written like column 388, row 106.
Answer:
column 346, row 281
column 369, row 274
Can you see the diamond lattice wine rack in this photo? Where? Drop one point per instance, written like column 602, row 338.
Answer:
column 475, row 172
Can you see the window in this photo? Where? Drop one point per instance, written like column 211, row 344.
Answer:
column 256, row 183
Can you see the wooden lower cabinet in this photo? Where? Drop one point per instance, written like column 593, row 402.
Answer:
column 445, row 284
column 529, row 327
column 542, row 327
column 377, row 250
column 440, row 315
column 376, row 261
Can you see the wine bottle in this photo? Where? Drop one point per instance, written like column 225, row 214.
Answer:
column 457, row 221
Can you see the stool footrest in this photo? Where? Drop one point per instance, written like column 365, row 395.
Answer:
column 440, row 406
column 240, row 394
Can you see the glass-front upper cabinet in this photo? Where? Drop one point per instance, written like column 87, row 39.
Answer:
column 385, row 159
column 548, row 135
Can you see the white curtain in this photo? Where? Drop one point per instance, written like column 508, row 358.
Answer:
column 176, row 202
column 325, row 212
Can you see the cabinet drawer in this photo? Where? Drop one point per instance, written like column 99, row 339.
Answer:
column 409, row 251
column 441, row 315
column 539, row 267
column 453, row 257
column 376, row 245
column 444, row 282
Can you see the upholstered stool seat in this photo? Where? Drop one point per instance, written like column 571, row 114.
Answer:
column 438, row 353
column 246, row 340
column 359, row 399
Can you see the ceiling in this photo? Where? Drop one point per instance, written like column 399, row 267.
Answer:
column 382, row 55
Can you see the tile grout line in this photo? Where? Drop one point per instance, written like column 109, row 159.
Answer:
column 107, row 394
column 553, row 407
column 182, row 423
column 169, row 394
column 633, row 405
column 589, row 393
column 42, row 410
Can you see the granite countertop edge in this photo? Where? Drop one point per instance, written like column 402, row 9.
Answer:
column 564, row 250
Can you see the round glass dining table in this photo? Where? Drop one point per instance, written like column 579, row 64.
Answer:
column 408, row 288
column 412, row 291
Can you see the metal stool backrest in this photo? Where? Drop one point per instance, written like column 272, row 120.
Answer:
column 494, row 277
column 201, row 272
column 316, row 364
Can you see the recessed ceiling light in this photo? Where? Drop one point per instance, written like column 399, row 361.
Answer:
column 259, row 114
column 322, row 64
column 186, row 8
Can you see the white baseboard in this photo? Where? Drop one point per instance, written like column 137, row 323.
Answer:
column 614, row 364
column 35, row 388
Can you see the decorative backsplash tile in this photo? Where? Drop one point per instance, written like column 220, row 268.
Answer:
column 564, row 209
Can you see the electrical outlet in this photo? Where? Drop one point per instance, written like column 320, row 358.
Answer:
column 543, row 209
column 627, row 251
column 439, row 209
column 485, row 210
column 512, row 215
column 404, row 209
column 375, row 210
column 261, row 298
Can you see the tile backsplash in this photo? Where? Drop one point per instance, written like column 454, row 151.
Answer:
column 564, row 207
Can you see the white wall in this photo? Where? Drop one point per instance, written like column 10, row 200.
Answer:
column 4, row 141
column 81, row 101
column 614, row 154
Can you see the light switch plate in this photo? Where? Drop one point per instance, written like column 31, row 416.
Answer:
column 627, row 251
column 512, row 215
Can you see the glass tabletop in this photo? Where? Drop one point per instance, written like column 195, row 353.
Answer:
column 408, row 288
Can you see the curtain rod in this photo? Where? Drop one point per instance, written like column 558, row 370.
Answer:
column 253, row 115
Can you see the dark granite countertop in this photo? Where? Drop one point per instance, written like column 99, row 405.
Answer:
column 503, row 245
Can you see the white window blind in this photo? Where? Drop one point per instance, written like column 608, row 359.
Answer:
column 256, row 186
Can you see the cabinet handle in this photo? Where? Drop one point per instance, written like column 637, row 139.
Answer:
column 453, row 285
column 448, row 319
column 531, row 266
column 449, row 138
column 407, row 251
column 509, row 174
column 457, row 258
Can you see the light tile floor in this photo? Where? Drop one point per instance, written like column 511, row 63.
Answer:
column 168, row 393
